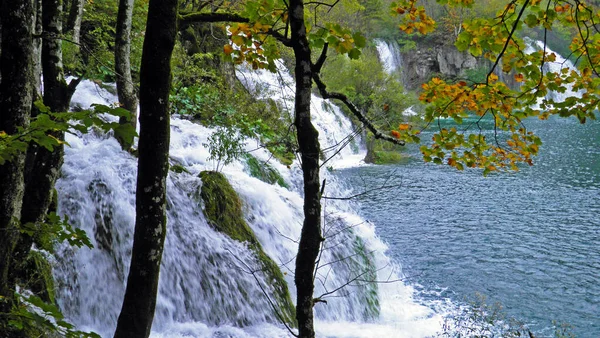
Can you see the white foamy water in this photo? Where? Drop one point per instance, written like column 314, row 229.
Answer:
column 556, row 66
column 205, row 288
column 389, row 56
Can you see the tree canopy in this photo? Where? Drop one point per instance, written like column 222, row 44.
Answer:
column 499, row 39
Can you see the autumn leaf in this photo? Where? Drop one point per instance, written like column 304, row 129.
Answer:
column 519, row 77
column 404, row 126
column 228, row 49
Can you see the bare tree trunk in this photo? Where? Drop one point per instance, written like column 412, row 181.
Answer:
column 308, row 142
column 125, row 87
column 15, row 107
column 139, row 303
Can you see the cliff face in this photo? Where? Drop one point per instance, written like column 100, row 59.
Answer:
column 427, row 60
column 421, row 64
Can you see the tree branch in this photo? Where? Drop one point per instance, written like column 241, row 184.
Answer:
column 211, row 17
column 341, row 97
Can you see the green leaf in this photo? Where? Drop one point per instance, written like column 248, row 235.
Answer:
column 359, row 40
column 354, row 53
column 531, row 20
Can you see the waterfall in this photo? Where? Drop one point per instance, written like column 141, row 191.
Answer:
column 389, row 55
column 206, row 289
column 555, row 66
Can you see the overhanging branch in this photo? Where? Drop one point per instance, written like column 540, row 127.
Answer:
column 316, row 68
column 212, row 17
column 206, row 17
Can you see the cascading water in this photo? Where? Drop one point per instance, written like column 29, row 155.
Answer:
column 206, row 288
column 389, row 56
column 391, row 61
column 555, row 66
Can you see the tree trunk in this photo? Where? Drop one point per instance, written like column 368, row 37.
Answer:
column 15, row 106
column 74, row 20
column 37, row 48
column 308, row 142
column 43, row 166
column 139, row 303
column 125, row 87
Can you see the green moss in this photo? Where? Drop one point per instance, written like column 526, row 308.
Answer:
column 365, row 261
column 387, row 157
column 178, row 168
column 282, row 153
column 223, row 210
column 37, row 276
column 263, row 171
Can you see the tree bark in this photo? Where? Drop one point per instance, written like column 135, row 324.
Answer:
column 37, row 48
column 308, row 142
column 139, row 303
column 74, row 20
column 125, row 87
column 42, row 166
column 15, row 106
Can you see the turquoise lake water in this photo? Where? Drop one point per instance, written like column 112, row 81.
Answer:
column 529, row 240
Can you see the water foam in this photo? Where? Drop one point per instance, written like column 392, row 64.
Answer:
column 205, row 289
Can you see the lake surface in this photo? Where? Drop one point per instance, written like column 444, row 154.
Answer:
column 529, row 240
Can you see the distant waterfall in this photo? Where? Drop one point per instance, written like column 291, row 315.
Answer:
column 556, row 67
column 205, row 288
column 389, row 56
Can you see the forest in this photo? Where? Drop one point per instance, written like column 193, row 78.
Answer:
column 201, row 105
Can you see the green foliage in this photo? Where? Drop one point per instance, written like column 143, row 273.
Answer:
column 59, row 229
column 178, row 168
column 209, row 97
column 95, row 57
column 32, row 316
column 223, row 210
column 37, row 276
column 379, row 95
column 386, row 157
column 225, row 145
column 341, row 39
column 263, row 171
column 43, row 127
column 500, row 37
column 476, row 75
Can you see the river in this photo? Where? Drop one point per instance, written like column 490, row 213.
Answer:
column 528, row 240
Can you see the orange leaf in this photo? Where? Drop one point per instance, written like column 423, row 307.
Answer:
column 395, row 134
column 404, row 126
column 227, row 49
column 519, row 77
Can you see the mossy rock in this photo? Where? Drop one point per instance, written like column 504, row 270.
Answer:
column 385, row 157
column 365, row 261
column 263, row 171
column 37, row 276
column 223, row 210
column 178, row 169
